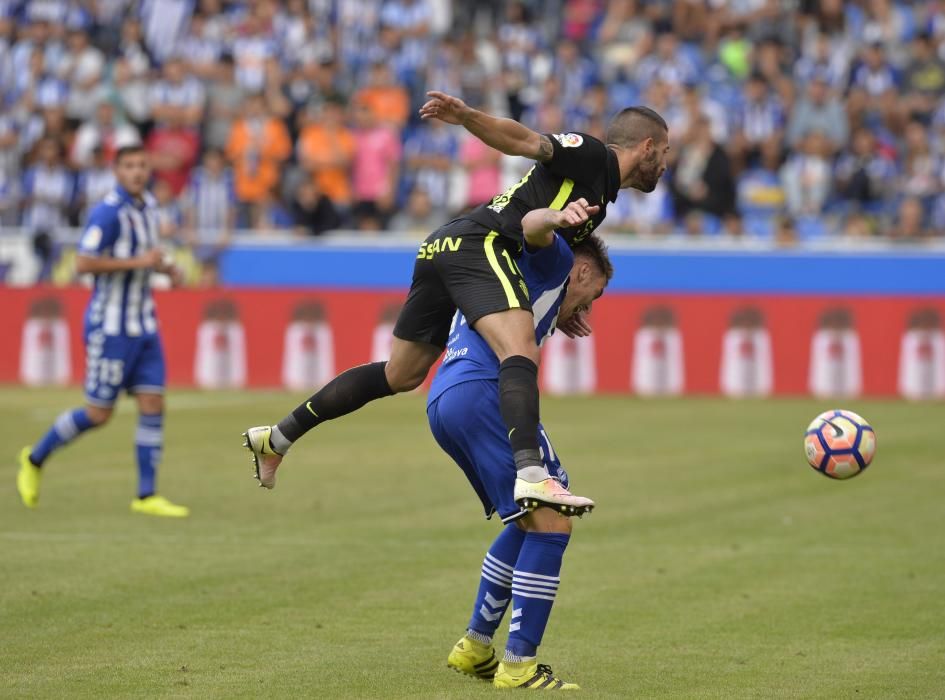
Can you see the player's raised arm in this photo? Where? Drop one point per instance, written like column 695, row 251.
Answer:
column 539, row 225
column 504, row 135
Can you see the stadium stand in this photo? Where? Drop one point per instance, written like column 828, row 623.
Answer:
column 791, row 120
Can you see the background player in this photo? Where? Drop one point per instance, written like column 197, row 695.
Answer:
column 524, row 562
column 123, row 348
column 470, row 263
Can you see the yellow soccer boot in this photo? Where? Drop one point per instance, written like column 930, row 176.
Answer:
column 160, row 506
column 473, row 658
column 529, row 675
column 28, row 478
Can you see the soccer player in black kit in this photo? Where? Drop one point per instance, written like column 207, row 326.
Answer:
column 469, row 264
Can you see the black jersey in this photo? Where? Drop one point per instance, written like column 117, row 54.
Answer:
column 581, row 166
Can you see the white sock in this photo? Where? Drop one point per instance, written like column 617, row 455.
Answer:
column 278, row 441
column 513, row 659
column 533, row 474
column 478, row 637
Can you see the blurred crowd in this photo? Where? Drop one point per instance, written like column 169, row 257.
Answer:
column 789, row 119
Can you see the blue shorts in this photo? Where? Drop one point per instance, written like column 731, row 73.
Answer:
column 116, row 362
column 467, row 424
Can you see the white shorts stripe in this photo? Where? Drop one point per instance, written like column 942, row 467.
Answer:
column 146, row 389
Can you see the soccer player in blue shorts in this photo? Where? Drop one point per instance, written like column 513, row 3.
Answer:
column 521, row 570
column 123, row 348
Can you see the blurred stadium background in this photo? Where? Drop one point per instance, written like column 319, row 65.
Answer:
column 794, row 246
column 794, row 249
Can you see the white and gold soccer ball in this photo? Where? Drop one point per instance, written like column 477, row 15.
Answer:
column 839, row 444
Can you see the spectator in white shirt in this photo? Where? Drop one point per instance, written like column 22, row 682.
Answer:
column 807, row 176
column 131, row 71
column 81, row 67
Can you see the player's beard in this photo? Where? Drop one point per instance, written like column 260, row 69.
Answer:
column 649, row 172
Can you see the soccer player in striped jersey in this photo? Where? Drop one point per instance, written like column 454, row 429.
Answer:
column 521, row 571
column 123, row 349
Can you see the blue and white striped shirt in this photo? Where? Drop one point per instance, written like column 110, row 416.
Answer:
column 188, row 93
column 50, row 190
column 121, row 227
column 210, row 198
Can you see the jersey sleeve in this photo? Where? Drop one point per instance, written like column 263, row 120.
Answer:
column 100, row 233
column 552, row 261
column 577, row 156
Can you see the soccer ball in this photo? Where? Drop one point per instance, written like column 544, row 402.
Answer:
column 839, row 444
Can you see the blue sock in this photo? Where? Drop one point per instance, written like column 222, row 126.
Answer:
column 534, row 587
column 68, row 426
column 148, row 441
column 495, row 584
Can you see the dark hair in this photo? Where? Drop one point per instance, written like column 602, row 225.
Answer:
column 128, row 150
column 635, row 124
column 594, row 248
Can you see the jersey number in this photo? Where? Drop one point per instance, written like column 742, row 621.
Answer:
column 111, row 372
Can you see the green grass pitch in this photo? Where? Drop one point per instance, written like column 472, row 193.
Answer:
column 717, row 564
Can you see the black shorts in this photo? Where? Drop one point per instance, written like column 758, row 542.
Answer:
column 464, row 266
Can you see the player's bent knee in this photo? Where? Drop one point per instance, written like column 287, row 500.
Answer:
column 404, row 379
column 546, row 520
column 409, row 364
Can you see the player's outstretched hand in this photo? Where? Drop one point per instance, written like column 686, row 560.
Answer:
column 447, row 108
column 576, row 326
column 576, row 213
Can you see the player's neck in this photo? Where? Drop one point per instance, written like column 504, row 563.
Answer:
column 627, row 163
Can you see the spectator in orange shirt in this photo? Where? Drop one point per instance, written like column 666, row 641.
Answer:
column 387, row 99
column 257, row 146
column 326, row 150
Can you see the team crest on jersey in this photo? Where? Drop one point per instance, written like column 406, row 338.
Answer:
column 569, row 140
column 91, row 238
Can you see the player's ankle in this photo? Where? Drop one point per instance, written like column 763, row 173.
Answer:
column 278, row 442
column 533, row 474
column 478, row 638
column 528, row 458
